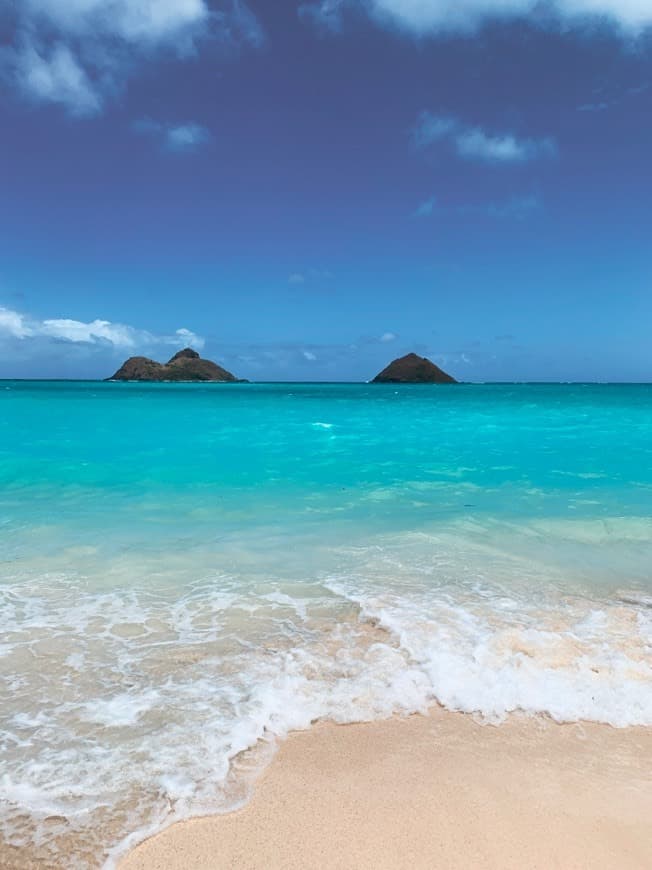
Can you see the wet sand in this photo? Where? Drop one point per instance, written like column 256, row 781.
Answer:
column 437, row 791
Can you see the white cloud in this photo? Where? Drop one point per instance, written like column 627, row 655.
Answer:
column 474, row 143
column 186, row 137
column 56, row 78
column 311, row 357
column 12, row 323
column 98, row 330
column 297, row 278
column 17, row 326
column 175, row 137
column 388, row 336
column 186, row 338
column 78, row 52
column 432, row 17
column 149, row 21
column 432, row 128
column 429, row 16
column 424, row 17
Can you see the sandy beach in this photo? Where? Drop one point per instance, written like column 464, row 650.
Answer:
column 433, row 791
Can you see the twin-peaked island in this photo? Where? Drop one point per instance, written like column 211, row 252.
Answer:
column 187, row 365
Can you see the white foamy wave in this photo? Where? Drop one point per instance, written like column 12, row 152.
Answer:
column 133, row 707
column 128, row 709
column 578, row 661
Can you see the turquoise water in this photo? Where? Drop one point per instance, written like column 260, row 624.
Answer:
column 187, row 569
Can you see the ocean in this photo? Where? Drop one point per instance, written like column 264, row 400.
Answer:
column 190, row 571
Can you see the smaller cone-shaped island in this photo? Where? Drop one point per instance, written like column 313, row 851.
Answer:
column 413, row 369
column 186, row 365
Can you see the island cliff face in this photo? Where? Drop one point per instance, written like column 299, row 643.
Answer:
column 413, row 369
column 186, row 365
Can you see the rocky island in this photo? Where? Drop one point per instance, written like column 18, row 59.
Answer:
column 413, row 369
column 186, row 365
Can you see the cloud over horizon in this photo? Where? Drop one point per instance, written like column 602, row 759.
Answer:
column 18, row 327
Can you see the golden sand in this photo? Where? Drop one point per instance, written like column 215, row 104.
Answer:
column 439, row 791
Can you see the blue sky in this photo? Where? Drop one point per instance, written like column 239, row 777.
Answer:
column 307, row 190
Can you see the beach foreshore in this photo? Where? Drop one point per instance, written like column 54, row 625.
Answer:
column 430, row 791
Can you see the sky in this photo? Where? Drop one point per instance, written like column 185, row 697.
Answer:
column 307, row 190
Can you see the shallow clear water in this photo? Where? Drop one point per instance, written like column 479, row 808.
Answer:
column 186, row 569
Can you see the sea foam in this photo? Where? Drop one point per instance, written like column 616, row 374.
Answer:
column 151, row 728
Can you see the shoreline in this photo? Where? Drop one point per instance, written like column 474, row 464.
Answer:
column 439, row 790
